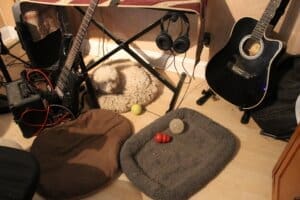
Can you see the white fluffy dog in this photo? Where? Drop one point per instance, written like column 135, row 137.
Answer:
column 122, row 84
column 106, row 79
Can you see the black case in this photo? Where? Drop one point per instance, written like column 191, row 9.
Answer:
column 19, row 174
column 43, row 53
column 276, row 116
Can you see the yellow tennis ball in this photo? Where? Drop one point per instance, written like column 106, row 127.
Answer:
column 136, row 109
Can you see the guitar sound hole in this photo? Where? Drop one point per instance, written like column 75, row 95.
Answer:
column 251, row 48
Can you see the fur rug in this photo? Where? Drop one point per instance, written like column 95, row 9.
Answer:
column 122, row 83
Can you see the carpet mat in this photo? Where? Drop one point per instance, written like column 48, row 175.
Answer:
column 180, row 168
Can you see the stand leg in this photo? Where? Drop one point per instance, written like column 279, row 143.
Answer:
column 4, row 71
column 206, row 94
column 246, row 117
column 90, row 89
column 4, row 108
column 4, row 51
column 19, row 59
column 176, row 92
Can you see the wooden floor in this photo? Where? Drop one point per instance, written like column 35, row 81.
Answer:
column 247, row 176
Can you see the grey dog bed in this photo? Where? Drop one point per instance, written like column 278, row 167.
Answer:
column 178, row 169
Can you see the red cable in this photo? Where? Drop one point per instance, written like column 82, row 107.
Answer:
column 59, row 120
column 47, row 110
column 30, row 71
column 43, row 125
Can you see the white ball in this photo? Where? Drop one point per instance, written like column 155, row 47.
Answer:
column 176, row 126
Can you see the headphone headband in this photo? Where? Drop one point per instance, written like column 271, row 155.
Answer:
column 181, row 43
column 182, row 16
column 185, row 19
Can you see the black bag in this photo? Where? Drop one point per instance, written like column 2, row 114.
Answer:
column 19, row 173
column 41, row 44
column 277, row 115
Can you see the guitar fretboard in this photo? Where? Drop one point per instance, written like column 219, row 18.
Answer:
column 80, row 34
column 265, row 20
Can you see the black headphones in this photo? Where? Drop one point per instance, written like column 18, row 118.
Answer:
column 181, row 44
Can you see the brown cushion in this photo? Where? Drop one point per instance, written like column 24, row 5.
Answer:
column 78, row 157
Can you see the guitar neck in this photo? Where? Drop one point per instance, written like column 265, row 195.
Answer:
column 80, row 34
column 265, row 20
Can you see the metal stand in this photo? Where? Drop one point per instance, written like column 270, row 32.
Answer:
column 92, row 98
column 4, row 108
column 206, row 94
column 4, row 51
column 4, row 71
column 124, row 45
column 246, row 116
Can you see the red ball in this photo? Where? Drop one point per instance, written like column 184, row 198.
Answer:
column 162, row 138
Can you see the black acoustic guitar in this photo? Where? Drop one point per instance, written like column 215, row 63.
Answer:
column 69, row 79
column 240, row 72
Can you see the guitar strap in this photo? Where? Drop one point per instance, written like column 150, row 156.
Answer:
column 279, row 12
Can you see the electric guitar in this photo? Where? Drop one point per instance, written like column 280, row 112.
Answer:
column 240, row 72
column 69, row 79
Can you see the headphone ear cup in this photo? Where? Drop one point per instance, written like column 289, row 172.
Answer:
column 181, row 44
column 164, row 41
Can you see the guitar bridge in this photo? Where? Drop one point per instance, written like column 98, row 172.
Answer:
column 235, row 66
column 239, row 71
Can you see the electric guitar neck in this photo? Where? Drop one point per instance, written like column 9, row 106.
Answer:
column 69, row 79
